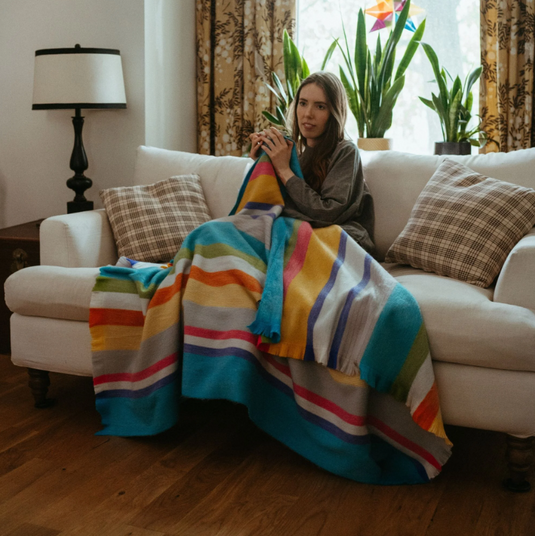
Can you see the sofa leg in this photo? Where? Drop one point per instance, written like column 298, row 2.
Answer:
column 39, row 382
column 519, row 457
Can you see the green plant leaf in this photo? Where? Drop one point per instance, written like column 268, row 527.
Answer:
column 281, row 115
column 443, row 115
column 471, row 79
column 439, row 77
column 453, row 129
column 384, row 118
column 361, row 50
column 329, row 53
column 429, row 103
column 271, row 118
column 280, row 87
column 387, row 60
column 411, row 49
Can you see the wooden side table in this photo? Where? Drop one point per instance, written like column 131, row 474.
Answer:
column 19, row 247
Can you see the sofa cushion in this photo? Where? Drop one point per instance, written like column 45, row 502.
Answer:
column 150, row 222
column 466, row 326
column 464, row 225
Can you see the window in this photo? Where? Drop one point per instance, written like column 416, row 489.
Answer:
column 452, row 29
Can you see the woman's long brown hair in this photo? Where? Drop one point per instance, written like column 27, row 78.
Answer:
column 315, row 168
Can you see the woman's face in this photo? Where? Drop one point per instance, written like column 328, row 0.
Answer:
column 312, row 113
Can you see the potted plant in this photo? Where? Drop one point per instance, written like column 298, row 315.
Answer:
column 453, row 106
column 295, row 71
column 371, row 84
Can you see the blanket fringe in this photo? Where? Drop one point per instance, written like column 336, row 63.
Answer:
column 269, row 330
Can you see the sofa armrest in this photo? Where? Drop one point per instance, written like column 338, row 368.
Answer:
column 516, row 282
column 84, row 239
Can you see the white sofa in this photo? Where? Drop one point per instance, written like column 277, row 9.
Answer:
column 482, row 340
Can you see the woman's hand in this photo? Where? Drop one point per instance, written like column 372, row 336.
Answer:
column 256, row 144
column 279, row 150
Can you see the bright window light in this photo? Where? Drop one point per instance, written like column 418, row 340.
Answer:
column 452, row 29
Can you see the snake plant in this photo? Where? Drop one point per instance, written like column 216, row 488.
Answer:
column 295, row 71
column 454, row 105
column 371, row 85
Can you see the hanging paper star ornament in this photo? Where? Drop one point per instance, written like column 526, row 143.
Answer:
column 387, row 11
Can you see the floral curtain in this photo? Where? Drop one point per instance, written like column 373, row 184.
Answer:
column 506, row 88
column 239, row 44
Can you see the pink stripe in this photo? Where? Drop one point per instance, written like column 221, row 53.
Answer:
column 318, row 400
column 298, row 256
column 220, row 335
column 285, row 369
column 262, row 168
column 136, row 376
column 407, row 443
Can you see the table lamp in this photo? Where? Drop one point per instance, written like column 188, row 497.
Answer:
column 76, row 78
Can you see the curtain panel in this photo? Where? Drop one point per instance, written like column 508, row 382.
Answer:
column 239, row 44
column 506, row 87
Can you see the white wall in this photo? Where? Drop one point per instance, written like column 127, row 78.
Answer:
column 35, row 146
column 170, row 63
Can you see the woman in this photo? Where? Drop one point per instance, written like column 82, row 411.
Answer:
column 334, row 191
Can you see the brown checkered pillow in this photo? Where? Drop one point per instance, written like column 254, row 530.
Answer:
column 464, row 225
column 150, row 222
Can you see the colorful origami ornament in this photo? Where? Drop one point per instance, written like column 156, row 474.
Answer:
column 387, row 11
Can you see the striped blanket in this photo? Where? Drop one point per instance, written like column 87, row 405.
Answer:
column 328, row 352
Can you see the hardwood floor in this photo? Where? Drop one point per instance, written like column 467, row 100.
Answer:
column 217, row 474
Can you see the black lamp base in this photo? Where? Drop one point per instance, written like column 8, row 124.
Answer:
column 79, row 182
column 78, row 206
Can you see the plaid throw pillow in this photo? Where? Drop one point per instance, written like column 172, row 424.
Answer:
column 149, row 223
column 464, row 225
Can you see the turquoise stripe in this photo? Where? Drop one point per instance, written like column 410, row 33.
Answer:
column 391, row 340
column 150, row 415
column 269, row 314
column 236, row 379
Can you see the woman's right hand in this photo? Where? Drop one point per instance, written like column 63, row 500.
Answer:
column 256, row 144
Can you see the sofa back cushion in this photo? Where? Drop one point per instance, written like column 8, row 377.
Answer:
column 396, row 180
column 221, row 176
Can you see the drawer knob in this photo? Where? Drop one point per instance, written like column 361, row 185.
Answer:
column 20, row 260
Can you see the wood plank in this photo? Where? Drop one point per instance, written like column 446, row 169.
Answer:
column 29, row 529
column 200, row 481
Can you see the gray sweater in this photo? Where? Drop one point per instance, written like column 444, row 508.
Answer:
column 344, row 198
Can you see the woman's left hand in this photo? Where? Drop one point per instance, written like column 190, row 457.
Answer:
column 279, row 150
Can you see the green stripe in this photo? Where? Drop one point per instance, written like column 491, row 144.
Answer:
column 108, row 284
column 288, row 252
column 415, row 359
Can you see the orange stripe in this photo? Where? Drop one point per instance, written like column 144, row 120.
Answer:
column 115, row 317
column 227, row 277
column 427, row 411
column 163, row 295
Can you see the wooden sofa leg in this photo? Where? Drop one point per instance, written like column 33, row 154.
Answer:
column 519, row 457
column 39, row 382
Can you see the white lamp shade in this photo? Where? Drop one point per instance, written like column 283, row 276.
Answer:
column 78, row 78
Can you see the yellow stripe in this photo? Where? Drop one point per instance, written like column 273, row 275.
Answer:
column 437, row 428
column 115, row 337
column 162, row 317
column 303, row 291
column 227, row 295
column 264, row 187
column 340, row 377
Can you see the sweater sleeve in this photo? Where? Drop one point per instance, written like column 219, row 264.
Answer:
column 340, row 192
